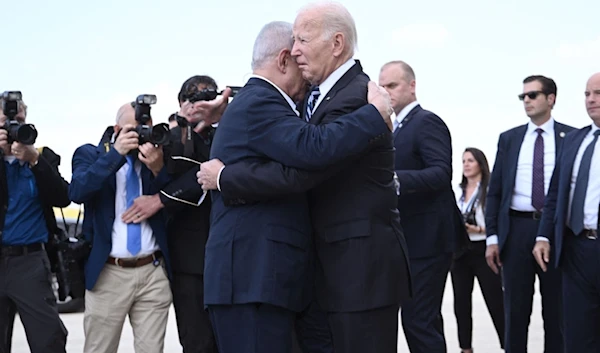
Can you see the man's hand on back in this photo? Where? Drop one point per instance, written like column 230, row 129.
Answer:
column 379, row 97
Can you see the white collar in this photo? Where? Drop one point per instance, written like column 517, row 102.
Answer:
column 334, row 77
column 548, row 126
column 404, row 112
column 287, row 98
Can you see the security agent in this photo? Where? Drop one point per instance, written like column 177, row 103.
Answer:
column 30, row 185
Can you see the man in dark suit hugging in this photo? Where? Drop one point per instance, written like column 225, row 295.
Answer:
column 258, row 256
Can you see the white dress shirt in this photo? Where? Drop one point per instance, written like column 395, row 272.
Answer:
column 521, row 195
column 332, row 79
column 119, row 231
column 466, row 205
column 592, row 194
column 403, row 113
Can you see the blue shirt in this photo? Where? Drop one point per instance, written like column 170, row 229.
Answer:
column 25, row 222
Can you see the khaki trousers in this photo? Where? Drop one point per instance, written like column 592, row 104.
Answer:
column 143, row 293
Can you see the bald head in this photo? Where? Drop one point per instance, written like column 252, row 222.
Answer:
column 592, row 98
column 125, row 115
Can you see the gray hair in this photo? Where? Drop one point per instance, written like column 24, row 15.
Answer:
column 273, row 37
column 336, row 18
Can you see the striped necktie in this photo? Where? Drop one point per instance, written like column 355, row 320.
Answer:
column 312, row 101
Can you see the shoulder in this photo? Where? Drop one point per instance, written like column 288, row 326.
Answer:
column 511, row 132
column 564, row 127
column 48, row 154
column 86, row 149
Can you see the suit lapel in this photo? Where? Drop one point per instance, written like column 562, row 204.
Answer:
column 319, row 113
column 103, row 149
column 407, row 119
column 513, row 153
column 559, row 135
column 572, row 149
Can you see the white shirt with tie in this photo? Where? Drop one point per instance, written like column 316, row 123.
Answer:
column 119, row 230
column 521, row 195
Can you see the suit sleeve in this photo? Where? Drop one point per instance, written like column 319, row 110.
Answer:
column 181, row 191
column 291, row 141
column 53, row 189
column 494, row 195
column 254, row 180
column 91, row 173
column 546, row 228
column 435, row 148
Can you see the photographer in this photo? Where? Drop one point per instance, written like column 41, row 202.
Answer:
column 126, row 272
column 30, row 185
column 188, row 212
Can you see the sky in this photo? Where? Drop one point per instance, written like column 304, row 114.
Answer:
column 76, row 62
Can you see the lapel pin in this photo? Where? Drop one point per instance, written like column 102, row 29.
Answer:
column 328, row 98
column 562, row 134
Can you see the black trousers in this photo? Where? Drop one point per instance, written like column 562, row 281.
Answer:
column 464, row 270
column 422, row 315
column 193, row 322
column 26, row 288
column 519, row 270
column 252, row 328
column 365, row 331
column 312, row 333
column 581, row 293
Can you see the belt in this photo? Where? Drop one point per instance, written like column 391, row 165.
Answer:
column 589, row 233
column 142, row 261
column 536, row 215
column 19, row 250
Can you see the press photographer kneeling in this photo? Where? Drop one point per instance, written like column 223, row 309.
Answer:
column 126, row 271
column 30, row 185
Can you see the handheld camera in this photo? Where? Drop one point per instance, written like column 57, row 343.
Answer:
column 17, row 132
column 158, row 134
column 207, row 94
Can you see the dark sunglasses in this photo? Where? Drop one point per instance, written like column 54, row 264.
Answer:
column 531, row 95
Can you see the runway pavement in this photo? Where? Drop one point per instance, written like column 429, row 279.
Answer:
column 485, row 339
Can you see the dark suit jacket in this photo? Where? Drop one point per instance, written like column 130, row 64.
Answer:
column 93, row 183
column 502, row 181
column 556, row 206
column 188, row 222
column 359, row 240
column 430, row 217
column 52, row 188
column 261, row 252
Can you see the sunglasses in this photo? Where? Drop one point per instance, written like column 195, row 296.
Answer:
column 531, row 95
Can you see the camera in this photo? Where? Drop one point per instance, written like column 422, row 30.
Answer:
column 470, row 217
column 194, row 95
column 158, row 134
column 17, row 132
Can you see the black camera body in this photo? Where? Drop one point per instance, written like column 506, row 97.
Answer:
column 206, row 94
column 17, row 132
column 158, row 134
column 470, row 217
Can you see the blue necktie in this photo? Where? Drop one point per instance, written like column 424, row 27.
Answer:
column 132, row 190
column 581, row 185
column 312, row 101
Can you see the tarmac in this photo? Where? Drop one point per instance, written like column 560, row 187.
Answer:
column 485, row 339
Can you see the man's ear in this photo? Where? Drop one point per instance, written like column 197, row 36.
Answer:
column 339, row 44
column 116, row 129
column 283, row 60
